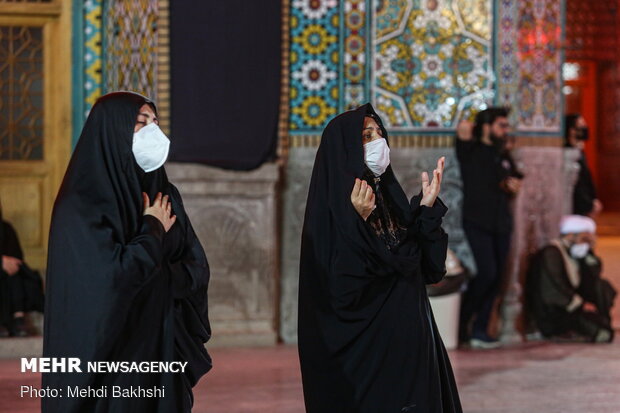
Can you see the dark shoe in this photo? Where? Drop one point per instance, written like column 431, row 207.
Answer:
column 484, row 342
column 18, row 329
column 4, row 332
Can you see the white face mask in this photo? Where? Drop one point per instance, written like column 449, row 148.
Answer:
column 579, row 250
column 150, row 147
column 377, row 156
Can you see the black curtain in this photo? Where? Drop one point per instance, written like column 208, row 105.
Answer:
column 225, row 81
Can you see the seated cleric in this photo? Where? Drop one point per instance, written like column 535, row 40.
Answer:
column 565, row 295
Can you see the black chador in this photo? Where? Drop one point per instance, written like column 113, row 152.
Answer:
column 367, row 338
column 120, row 288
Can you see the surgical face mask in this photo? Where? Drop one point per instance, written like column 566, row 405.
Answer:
column 580, row 250
column 150, row 147
column 583, row 134
column 377, row 156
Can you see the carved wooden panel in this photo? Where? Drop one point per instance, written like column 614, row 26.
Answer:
column 35, row 116
column 21, row 97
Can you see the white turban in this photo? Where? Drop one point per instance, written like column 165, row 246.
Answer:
column 575, row 224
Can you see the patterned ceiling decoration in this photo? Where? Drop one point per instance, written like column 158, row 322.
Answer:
column 529, row 63
column 425, row 64
column 131, row 46
column 92, row 53
column 120, row 54
column 314, row 59
column 431, row 61
column 353, row 68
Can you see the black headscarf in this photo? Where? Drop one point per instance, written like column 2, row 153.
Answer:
column 119, row 287
column 367, row 339
column 339, row 160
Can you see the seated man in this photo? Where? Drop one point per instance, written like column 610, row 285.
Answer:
column 565, row 294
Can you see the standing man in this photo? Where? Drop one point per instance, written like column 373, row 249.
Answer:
column 490, row 180
column 585, row 201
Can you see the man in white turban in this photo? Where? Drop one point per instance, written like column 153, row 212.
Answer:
column 565, row 294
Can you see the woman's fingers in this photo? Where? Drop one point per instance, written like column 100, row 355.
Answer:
column 368, row 194
column 441, row 163
column 145, row 200
column 436, row 181
column 165, row 204
column 356, row 188
column 436, row 177
column 424, row 182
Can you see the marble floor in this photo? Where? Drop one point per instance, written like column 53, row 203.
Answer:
column 529, row 378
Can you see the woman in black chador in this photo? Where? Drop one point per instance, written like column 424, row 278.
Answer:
column 367, row 338
column 126, row 276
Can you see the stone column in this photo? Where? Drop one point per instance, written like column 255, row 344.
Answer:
column 235, row 217
column 298, row 172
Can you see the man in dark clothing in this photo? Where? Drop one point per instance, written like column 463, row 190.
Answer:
column 565, row 294
column 490, row 180
column 585, row 201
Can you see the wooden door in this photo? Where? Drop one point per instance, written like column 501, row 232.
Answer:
column 35, row 116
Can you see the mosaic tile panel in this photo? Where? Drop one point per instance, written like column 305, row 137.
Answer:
column 131, row 46
column 92, row 56
column 314, row 60
column 431, row 61
column 529, row 63
column 355, row 41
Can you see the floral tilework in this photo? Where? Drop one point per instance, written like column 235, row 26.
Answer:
column 529, row 63
column 431, row 61
column 314, row 61
column 425, row 64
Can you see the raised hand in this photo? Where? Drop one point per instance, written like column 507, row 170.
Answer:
column 363, row 198
column 161, row 209
column 464, row 130
column 430, row 189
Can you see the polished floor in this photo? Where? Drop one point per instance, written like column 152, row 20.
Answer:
column 537, row 377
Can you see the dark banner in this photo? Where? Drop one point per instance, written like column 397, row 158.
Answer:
column 225, row 81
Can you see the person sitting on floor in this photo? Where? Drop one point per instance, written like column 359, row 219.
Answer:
column 21, row 289
column 565, row 294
